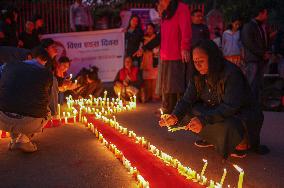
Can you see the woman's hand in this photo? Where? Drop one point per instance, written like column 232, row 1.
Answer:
column 185, row 56
column 168, row 120
column 194, row 125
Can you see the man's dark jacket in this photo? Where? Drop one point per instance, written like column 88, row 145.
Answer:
column 254, row 45
column 25, row 89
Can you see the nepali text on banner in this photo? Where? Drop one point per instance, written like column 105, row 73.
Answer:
column 104, row 49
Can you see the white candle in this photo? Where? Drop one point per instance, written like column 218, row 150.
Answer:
column 58, row 110
column 105, row 95
column 241, row 176
column 204, row 167
column 223, row 176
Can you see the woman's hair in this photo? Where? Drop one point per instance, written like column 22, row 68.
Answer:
column 215, row 60
column 64, row 59
column 234, row 18
column 171, row 10
column 93, row 73
column 152, row 25
column 139, row 22
column 40, row 52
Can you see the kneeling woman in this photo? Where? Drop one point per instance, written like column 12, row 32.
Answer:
column 128, row 80
column 218, row 104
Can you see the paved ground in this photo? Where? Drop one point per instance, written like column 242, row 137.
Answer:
column 260, row 171
column 71, row 157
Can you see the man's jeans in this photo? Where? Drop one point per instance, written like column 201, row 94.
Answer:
column 254, row 74
column 17, row 125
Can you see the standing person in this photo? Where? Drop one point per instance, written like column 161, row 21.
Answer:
column 28, row 39
column 10, row 28
column 279, row 50
column 175, row 45
column 133, row 39
column 24, row 97
column 50, row 47
column 200, row 31
column 150, row 60
column 39, row 25
column 218, row 104
column 255, row 42
column 231, row 42
column 80, row 17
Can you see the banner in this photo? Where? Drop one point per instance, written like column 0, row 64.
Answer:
column 104, row 49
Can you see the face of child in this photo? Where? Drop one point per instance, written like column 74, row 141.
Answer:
column 149, row 30
column 236, row 25
column 200, row 60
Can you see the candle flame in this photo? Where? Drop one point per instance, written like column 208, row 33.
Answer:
column 161, row 110
column 238, row 168
column 205, row 161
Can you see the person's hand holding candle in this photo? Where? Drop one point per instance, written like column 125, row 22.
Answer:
column 168, row 120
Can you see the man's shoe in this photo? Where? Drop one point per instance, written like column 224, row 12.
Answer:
column 239, row 153
column 203, row 144
column 28, row 147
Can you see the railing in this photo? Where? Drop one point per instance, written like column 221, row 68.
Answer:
column 56, row 12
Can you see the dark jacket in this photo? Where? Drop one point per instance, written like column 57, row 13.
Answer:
column 279, row 43
column 153, row 43
column 253, row 42
column 10, row 34
column 25, row 89
column 233, row 98
column 133, row 40
column 10, row 54
column 199, row 32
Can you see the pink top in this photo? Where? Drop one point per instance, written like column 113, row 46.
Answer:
column 176, row 34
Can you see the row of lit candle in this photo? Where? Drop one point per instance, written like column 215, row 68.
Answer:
column 119, row 155
column 185, row 171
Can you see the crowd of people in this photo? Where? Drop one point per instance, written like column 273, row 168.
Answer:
column 213, row 87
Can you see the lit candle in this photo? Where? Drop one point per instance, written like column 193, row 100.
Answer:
column 105, row 94
column 75, row 114
column 65, row 118
column 70, row 76
column 134, row 99
column 58, row 110
column 211, row 184
column 223, row 176
column 241, row 176
column 76, row 82
column 204, row 167
column 162, row 113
